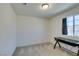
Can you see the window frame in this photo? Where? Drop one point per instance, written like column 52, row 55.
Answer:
column 73, row 25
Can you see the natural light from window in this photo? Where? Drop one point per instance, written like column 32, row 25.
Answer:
column 73, row 25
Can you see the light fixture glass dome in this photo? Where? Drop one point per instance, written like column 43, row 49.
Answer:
column 45, row 6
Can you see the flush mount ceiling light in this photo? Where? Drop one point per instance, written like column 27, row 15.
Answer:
column 25, row 4
column 45, row 6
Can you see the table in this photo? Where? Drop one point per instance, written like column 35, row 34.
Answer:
column 74, row 43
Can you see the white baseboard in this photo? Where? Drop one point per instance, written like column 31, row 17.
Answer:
column 33, row 44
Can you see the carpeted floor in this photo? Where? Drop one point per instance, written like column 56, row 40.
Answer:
column 40, row 50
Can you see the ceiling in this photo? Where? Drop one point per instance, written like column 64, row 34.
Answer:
column 34, row 10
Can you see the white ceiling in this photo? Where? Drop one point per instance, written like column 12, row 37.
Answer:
column 34, row 10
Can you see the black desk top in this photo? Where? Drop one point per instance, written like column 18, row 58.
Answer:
column 68, row 40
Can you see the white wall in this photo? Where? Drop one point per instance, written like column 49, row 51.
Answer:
column 31, row 30
column 56, row 25
column 7, row 30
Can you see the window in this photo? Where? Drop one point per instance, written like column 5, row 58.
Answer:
column 76, row 25
column 71, row 25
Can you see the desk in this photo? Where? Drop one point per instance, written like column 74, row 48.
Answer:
column 68, row 41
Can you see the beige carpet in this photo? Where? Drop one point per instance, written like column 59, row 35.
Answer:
column 40, row 50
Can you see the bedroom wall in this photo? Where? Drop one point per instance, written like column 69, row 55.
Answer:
column 55, row 25
column 31, row 30
column 7, row 30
